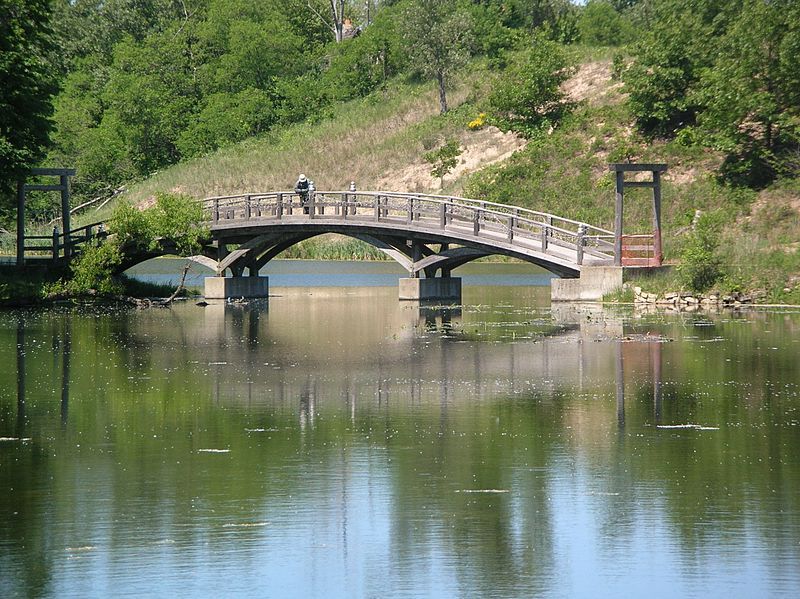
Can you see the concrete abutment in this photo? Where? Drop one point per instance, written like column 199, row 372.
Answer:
column 438, row 288
column 594, row 282
column 223, row 288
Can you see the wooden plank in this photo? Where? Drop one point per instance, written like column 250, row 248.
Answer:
column 69, row 172
column 624, row 167
column 37, row 187
column 648, row 184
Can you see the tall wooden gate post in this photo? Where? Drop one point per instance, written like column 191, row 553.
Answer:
column 63, row 186
column 655, row 170
column 20, row 223
column 65, row 226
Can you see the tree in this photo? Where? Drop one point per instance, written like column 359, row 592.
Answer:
column 444, row 159
column 528, row 97
column 600, row 24
column 680, row 41
column 27, row 84
column 437, row 35
column 751, row 95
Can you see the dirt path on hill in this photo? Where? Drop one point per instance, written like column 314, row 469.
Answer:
column 480, row 149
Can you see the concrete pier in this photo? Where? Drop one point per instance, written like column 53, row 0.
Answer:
column 223, row 288
column 439, row 288
column 594, row 282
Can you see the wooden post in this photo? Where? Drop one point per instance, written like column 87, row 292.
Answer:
column 581, row 237
column 442, row 215
column 64, row 179
column 658, row 254
column 476, row 221
column 548, row 222
column 247, row 209
column 55, row 243
column 21, row 223
column 410, row 218
column 619, row 195
column 215, row 211
column 279, row 206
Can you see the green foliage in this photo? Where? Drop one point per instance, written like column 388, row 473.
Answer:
column 729, row 71
column 94, row 270
column 444, row 159
column 491, row 34
column 617, row 66
column 225, row 119
column 700, row 265
column 174, row 218
column 367, row 62
column 437, row 38
column 751, row 95
column 600, row 24
column 528, row 98
column 26, row 86
column 130, row 227
column 179, row 219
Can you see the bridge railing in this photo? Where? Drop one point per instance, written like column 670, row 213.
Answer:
column 503, row 224
column 59, row 244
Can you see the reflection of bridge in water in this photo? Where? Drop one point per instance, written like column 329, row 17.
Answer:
column 427, row 355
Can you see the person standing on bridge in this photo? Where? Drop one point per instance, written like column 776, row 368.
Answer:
column 301, row 189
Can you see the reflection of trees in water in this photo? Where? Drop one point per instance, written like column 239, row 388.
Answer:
column 453, row 415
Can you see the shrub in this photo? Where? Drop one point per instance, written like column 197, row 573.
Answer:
column 94, row 270
column 130, row 226
column 529, row 97
column 179, row 219
column 444, row 159
column 700, row 266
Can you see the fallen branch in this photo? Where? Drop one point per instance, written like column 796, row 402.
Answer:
column 180, row 288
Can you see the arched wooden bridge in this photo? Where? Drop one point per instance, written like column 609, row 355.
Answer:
column 427, row 234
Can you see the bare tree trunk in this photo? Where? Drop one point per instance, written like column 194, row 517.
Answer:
column 336, row 21
column 181, row 285
column 442, row 93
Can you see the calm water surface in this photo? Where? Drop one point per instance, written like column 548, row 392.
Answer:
column 338, row 442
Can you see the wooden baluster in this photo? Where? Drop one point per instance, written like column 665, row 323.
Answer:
column 247, row 207
column 580, row 239
column 377, row 208
column 548, row 221
column 442, row 215
column 279, row 206
column 511, row 222
column 55, row 243
column 476, row 221
column 215, row 212
column 410, row 218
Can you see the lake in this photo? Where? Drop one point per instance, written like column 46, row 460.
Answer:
column 335, row 442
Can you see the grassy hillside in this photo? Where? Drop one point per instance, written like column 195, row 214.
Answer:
column 379, row 142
